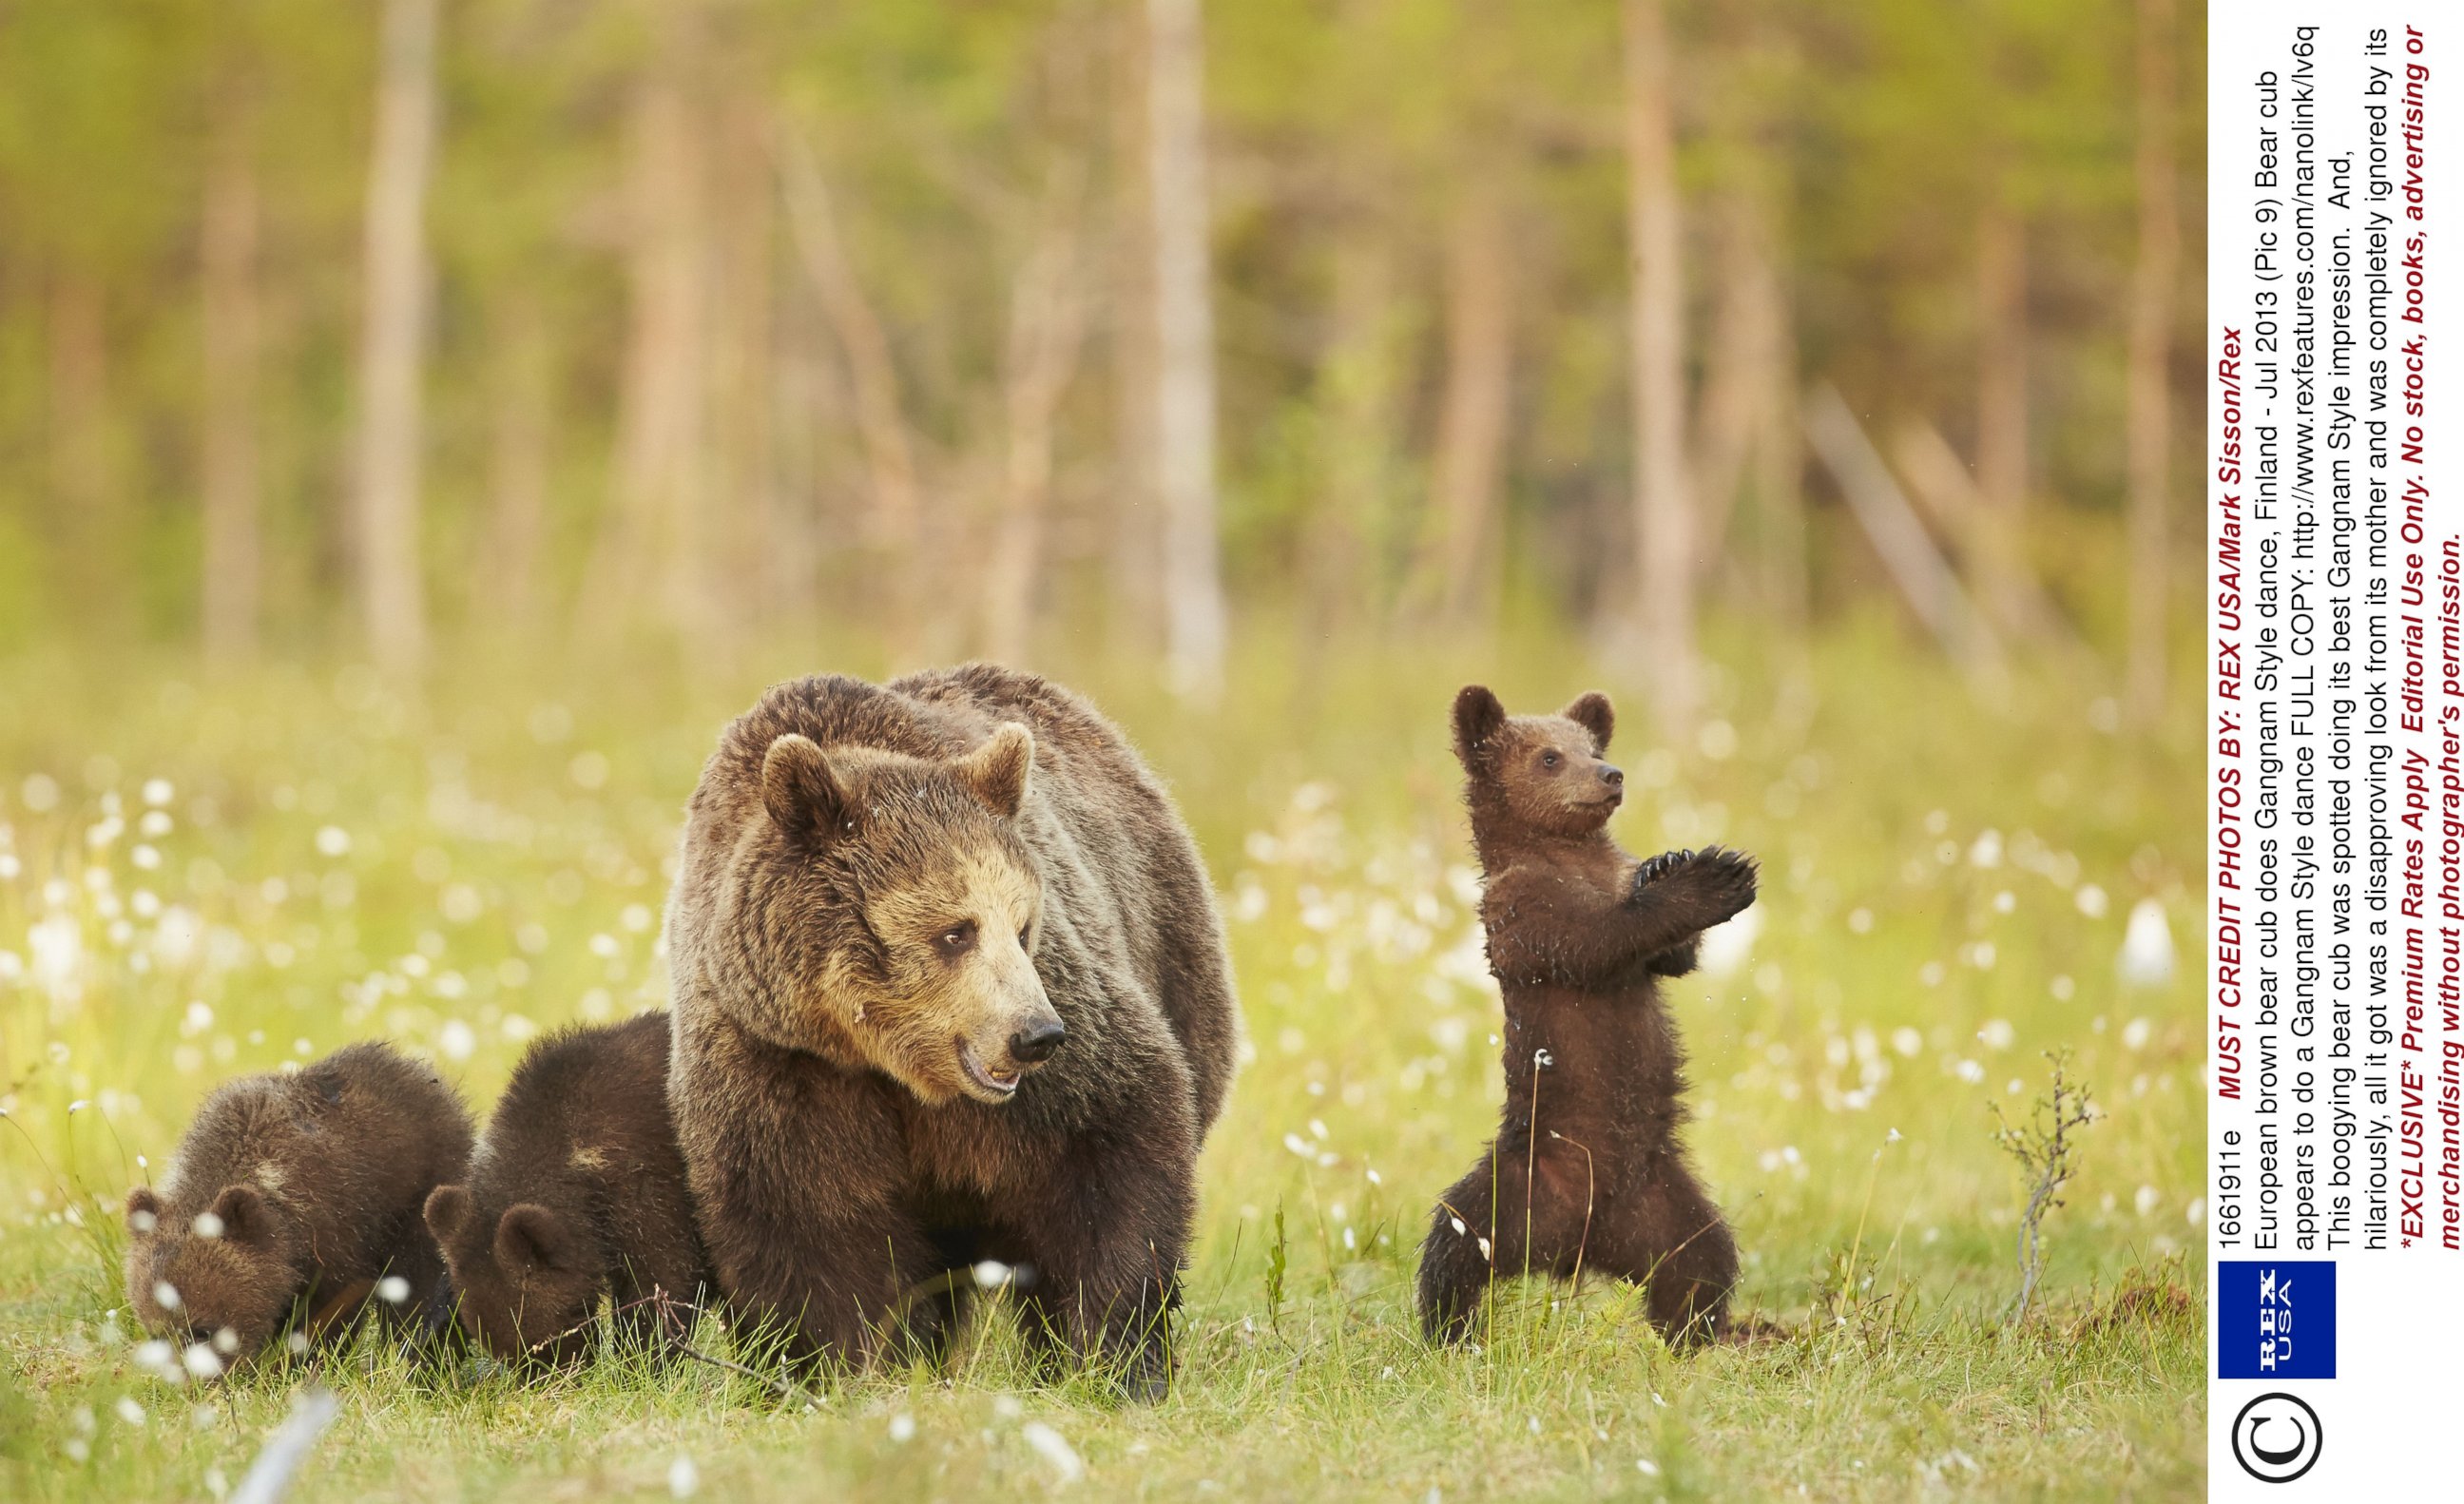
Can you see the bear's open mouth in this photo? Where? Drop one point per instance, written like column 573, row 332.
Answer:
column 1000, row 1083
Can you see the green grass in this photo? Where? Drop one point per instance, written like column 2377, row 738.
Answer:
column 1929, row 924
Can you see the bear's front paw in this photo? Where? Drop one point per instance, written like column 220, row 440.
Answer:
column 1725, row 882
column 1655, row 868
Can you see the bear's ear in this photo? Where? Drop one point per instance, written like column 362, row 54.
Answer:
column 447, row 1208
column 1477, row 715
column 247, row 1220
column 1594, row 713
column 530, row 1237
column 802, row 791
column 996, row 772
column 144, row 1211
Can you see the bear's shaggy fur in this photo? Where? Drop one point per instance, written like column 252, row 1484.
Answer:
column 292, row 1197
column 1586, row 1172
column 949, row 987
column 576, row 1192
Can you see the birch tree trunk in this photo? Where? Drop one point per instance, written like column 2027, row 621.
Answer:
column 1460, row 569
column 1192, row 584
column 2149, row 435
column 226, row 264
column 392, row 336
column 1664, row 524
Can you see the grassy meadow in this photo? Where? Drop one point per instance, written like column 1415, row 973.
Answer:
column 203, row 875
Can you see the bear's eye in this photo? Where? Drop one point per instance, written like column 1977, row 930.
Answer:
column 1549, row 759
column 955, row 940
column 1024, row 931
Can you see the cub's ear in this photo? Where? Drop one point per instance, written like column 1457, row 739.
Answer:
column 530, row 1237
column 996, row 772
column 805, row 794
column 1477, row 715
column 1594, row 713
column 144, row 1211
column 447, row 1208
column 247, row 1220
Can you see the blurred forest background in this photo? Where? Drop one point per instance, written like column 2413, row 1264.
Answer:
column 403, row 325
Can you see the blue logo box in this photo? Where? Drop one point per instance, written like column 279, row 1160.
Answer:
column 2275, row 1319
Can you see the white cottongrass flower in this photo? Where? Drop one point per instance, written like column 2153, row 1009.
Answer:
column 157, row 791
column 130, row 1411
column 1460, row 1229
column 2146, row 958
column 207, row 1226
column 2144, row 1201
column 393, row 1290
column 683, row 1477
column 992, row 1274
column 1484, row 1248
column 1299, row 1145
column 902, row 1427
column 1055, row 1449
column 455, row 1041
column 201, row 1361
column 1893, row 1137
column 166, row 1294
column 1647, row 1467
column 226, row 1341
column 2091, row 900
column 333, row 841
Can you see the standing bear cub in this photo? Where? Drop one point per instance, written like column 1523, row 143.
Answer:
column 576, row 1192
column 949, row 987
column 292, row 1199
column 1586, row 1172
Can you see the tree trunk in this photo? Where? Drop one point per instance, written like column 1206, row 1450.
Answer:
column 1194, row 627
column 1046, row 320
column 393, row 336
column 2150, row 433
column 1664, row 524
column 521, row 419
column 873, row 380
column 226, row 264
column 1460, row 569
column 1996, row 541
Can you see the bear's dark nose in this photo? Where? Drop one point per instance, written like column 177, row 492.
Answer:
column 1038, row 1040
column 1612, row 775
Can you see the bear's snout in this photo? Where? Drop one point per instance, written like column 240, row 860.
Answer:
column 1038, row 1040
column 1614, row 775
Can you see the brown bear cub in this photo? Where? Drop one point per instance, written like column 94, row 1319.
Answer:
column 576, row 1192
column 291, row 1201
column 949, row 987
column 1586, row 1172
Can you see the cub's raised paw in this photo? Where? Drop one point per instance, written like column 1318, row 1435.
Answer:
column 1725, row 882
column 1655, row 868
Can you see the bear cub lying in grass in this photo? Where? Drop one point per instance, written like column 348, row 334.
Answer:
column 1586, row 1172
column 576, row 1192
column 291, row 1200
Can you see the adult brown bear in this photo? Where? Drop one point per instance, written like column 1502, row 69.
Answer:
column 949, row 987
